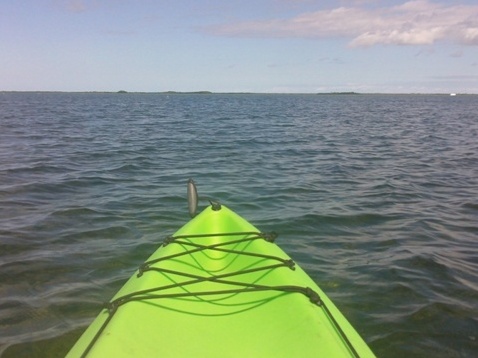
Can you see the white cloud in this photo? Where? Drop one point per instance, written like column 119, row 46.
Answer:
column 417, row 22
column 75, row 6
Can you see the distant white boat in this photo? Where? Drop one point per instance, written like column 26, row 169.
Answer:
column 452, row 94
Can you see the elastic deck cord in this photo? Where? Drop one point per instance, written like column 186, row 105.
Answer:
column 155, row 293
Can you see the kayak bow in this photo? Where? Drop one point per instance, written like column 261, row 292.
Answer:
column 220, row 288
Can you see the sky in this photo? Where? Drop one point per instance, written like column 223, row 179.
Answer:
column 267, row 46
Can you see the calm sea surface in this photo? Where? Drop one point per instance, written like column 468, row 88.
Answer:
column 375, row 196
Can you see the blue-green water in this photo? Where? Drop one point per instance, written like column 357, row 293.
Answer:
column 375, row 196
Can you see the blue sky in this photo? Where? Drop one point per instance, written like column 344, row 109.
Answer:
column 297, row 46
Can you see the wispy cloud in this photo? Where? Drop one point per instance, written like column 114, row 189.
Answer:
column 417, row 22
column 76, row 6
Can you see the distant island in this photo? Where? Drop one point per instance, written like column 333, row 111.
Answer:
column 338, row 93
column 170, row 92
column 195, row 92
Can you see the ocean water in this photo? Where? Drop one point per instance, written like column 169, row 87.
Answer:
column 375, row 196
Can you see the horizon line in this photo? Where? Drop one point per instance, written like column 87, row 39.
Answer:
column 240, row 92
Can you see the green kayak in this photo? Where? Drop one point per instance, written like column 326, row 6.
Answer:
column 220, row 288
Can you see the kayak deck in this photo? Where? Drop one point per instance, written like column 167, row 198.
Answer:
column 220, row 288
